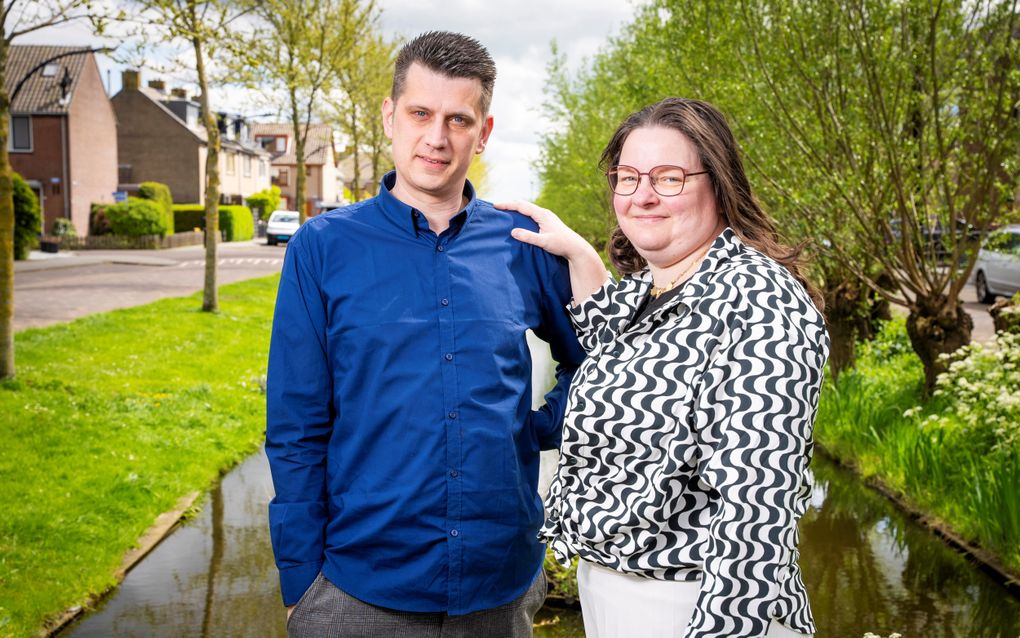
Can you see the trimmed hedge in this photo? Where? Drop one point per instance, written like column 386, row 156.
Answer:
column 159, row 193
column 236, row 223
column 27, row 217
column 265, row 202
column 137, row 217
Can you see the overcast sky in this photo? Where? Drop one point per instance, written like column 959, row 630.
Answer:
column 517, row 33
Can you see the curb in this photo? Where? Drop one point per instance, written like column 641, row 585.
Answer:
column 164, row 524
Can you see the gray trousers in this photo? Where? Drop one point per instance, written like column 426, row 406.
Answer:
column 325, row 611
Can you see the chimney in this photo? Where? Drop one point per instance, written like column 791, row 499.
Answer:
column 159, row 85
column 179, row 94
column 129, row 80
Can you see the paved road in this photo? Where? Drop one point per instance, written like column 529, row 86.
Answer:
column 64, row 287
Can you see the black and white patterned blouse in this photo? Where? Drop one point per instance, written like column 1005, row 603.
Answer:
column 688, row 437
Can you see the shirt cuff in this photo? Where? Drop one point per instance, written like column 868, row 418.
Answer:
column 592, row 311
column 295, row 581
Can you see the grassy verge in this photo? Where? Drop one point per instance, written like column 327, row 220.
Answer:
column 110, row 420
column 955, row 456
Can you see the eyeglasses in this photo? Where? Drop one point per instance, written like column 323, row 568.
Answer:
column 666, row 180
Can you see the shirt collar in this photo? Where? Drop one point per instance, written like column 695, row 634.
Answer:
column 410, row 219
column 726, row 246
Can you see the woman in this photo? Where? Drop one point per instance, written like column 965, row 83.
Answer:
column 684, row 464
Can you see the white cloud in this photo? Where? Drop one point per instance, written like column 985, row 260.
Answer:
column 518, row 34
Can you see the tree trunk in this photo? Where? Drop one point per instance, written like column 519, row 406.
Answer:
column 851, row 311
column 299, row 157
column 6, row 231
column 355, row 154
column 937, row 327
column 210, row 296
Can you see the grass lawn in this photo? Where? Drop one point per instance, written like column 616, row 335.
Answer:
column 109, row 421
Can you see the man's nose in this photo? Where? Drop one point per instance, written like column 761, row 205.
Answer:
column 435, row 135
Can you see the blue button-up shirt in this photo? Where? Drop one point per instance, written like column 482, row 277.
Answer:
column 400, row 433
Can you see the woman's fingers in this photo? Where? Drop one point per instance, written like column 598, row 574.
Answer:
column 523, row 207
column 528, row 237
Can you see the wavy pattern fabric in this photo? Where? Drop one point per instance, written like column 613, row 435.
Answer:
column 687, row 439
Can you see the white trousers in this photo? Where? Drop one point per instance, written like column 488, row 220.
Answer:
column 617, row 605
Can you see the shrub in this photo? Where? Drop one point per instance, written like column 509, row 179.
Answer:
column 99, row 223
column 159, row 193
column 236, row 223
column 264, row 202
column 27, row 217
column 136, row 217
column 63, row 227
column 980, row 394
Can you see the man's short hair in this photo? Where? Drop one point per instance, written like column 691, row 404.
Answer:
column 451, row 54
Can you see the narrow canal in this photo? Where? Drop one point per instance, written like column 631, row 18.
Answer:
column 867, row 567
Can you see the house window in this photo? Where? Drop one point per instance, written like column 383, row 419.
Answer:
column 20, row 133
column 231, row 164
column 282, row 178
column 50, row 70
column 247, row 165
column 124, row 173
column 281, row 145
column 262, row 168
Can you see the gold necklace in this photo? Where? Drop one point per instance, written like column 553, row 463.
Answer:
column 656, row 291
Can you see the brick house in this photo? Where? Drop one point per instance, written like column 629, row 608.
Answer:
column 320, row 163
column 63, row 131
column 161, row 139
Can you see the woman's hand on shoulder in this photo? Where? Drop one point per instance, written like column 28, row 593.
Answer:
column 587, row 272
column 553, row 235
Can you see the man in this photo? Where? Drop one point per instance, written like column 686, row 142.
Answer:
column 400, row 434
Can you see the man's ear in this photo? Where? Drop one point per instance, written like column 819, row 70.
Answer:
column 387, row 116
column 486, row 132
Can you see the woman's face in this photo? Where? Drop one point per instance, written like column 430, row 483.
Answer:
column 664, row 230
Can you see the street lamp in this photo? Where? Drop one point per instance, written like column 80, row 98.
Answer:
column 65, row 82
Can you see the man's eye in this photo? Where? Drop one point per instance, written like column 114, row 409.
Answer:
column 419, row 114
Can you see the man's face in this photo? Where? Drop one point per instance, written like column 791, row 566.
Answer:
column 436, row 126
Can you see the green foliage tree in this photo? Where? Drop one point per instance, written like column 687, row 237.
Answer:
column 18, row 18
column 353, row 108
column 900, row 121
column 265, row 201
column 27, row 217
column 199, row 25
column 296, row 53
column 870, row 127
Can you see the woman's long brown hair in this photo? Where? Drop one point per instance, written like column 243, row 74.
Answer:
column 706, row 128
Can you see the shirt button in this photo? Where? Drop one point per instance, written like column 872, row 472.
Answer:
column 454, row 473
column 454, row 533
column 445, row 301
column 449, row 356
column 441, row 249
column 452, row 415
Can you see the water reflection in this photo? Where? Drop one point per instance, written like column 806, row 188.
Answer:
column 869, row 568
column 212, row 577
